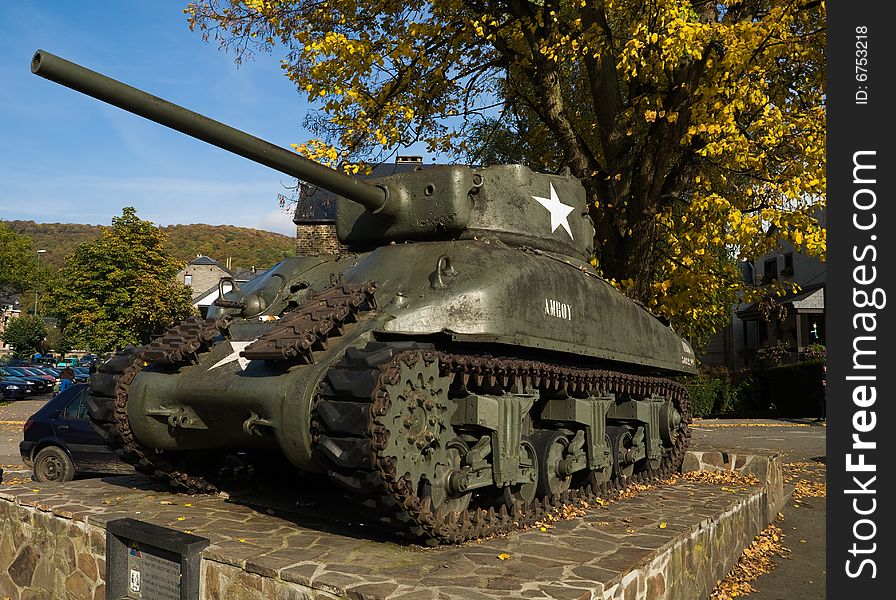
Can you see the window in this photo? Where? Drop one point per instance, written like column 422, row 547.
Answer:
column 788, row 265
column 77, row 408
column 188, row 280
column 770, row 272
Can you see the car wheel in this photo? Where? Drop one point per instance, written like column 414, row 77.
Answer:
column 52, row 464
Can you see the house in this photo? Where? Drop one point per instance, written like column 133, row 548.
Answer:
column 315, row 213
column 208, row 278
column 795, row 320
column 9, row 309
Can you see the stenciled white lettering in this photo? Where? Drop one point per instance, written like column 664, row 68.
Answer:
column 560, row 310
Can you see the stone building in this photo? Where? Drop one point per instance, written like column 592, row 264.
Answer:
column 203, row 275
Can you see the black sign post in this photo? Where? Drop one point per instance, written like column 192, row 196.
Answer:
column 150, row 562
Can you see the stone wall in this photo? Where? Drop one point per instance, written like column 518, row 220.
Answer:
column 45, row 557
column 317, row 238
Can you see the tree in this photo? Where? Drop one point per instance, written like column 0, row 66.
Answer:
column 120, row 288
column 19, row 269
column 25, row 334
column 56, row 340
column 695, row 126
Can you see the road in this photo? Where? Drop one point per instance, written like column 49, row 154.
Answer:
column 12, row 418
column 801, row 442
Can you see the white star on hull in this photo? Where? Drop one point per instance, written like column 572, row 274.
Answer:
column 236, row 348
column 559, row 211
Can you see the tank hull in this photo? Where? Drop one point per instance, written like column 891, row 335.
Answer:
column 484, row 294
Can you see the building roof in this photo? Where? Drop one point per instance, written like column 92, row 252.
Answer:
column 205, row 260
column 751, row 311
column 241, row 275
column 9, row 299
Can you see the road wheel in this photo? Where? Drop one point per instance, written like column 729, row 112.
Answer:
column 551, row 447
column 52, row 464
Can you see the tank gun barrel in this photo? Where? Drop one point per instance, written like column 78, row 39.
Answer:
column 201, row 127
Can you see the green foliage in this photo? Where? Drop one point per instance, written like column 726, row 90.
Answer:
column 18, row 260
column 56, row 340
column 25, row 334
column 58, row 239
column 119, row 289
column 814, row 351
column 720, row 392
column 245, row 246
column 704, row 392
column 776, row 354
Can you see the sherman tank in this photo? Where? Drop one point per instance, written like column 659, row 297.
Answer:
column 458, row 372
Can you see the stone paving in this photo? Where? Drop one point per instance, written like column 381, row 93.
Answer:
column 672, row 542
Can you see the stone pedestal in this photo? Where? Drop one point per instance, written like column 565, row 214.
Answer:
column 670, row 543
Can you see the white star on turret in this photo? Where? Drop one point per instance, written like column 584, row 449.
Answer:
column 559, row 211
column 236, row 348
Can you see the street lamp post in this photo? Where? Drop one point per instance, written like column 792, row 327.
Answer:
column 39, row 252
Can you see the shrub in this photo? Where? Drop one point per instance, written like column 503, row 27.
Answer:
column 705, row 392
column 718, row 391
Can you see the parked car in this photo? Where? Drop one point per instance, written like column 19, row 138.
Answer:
column 81, row 374
column 60, row 443
column 87, row 360
column 13, row 390
column 29, row 386
column 41, row 384
column 42, row 371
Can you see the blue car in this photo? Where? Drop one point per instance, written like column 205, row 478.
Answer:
column 60, row 443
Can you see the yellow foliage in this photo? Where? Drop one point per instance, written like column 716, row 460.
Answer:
column 697, row 128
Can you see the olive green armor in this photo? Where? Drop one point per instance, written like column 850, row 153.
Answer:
column 459, row 371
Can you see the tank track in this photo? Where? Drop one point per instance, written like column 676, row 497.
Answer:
column 351, row 439
column 300, row 331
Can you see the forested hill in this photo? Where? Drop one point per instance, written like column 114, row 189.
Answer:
column 244, row 246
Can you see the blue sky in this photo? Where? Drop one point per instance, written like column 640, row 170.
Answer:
column 67, row 158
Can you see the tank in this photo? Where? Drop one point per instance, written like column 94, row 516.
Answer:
column 461, row 370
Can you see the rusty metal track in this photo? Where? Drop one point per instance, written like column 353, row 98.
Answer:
column 299, row 333
column 392, row 500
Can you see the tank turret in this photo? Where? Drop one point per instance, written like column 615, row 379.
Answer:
column 452, row 387
column 509, row 203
